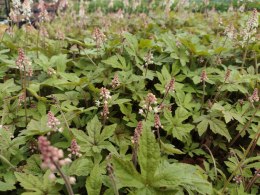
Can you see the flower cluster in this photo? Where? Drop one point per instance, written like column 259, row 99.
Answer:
column 119, row 14
column 178, row 44
column 252, row 23
column 257, row 172
column 157, row 121
column 230, row 32
column 203, row 76
column 99, row 37
column 170, row 86
column 21, row 10
column 74, row 149
column 111, row 4
column 21, row 98
column 105, row 96
column 44, row 32
column 53, row 123
column 238, row 179
column 105, row 111
column 82, row 13
column 62, row 4
column 51, row 71
column 242, row 8
column 33, row 146
column 148, row 59
column 23, row 63
column 227, row 75
column 52, row 158
column 137, row 133
column 151, row 99
column 126, row 3
column 136, row 4
column 43, row 15
column 206, row 2
column 27, row 11
column 147, row 106
column 115, row 82
column 254, row 97
column 248, row 32
column 60, row 35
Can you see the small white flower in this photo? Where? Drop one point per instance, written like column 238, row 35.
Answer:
column 141, row 111
column 52, row 177
column 97, row 102
column 72, row 180
column 156, row 109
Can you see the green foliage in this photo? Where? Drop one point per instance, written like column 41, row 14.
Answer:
column 95, row 140
column 94, row 182
column 175, row 124
column 34, row 185
column 200, row 135
column 157, row 176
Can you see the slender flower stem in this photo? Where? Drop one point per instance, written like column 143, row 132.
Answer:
column 158, row 136
column 256, row 64
column 37, row 43
column 213, row 159
column 165, row 95
column 146, row 114
column 65, row 178
column 62, row 114
column 112, row 178
column 241, row 161
column 203, row 95
column 252, row 181
column 254, row 144
column 245, row 54
column 134, row 155
column 240, row 169
column 168, row 88
column 23, row 80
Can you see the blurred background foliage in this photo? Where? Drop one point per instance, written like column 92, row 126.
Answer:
column 146, row 5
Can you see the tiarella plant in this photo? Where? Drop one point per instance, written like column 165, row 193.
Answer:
column 130, row 97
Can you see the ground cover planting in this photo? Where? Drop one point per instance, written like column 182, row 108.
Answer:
column 130, row 97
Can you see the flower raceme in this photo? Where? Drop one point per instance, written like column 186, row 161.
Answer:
column 227, row 75
column 148, row 59
column 151, row 99
column 52, row 157
column 23, row 63
column 254, row 97
column 105, row 94
column 170, row 86
column 203, row 76
column 137, row 133
column 20, row 10
column 157, row 121
column 74, row 149
column 99, row 37
column 105, row 111
column 115, row 82
column 53, row 123
column 250, row 29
